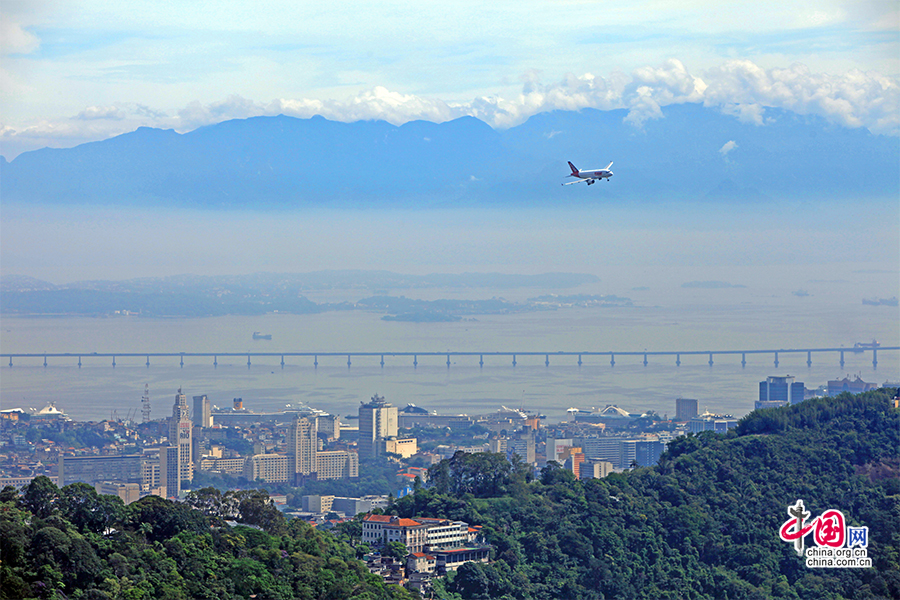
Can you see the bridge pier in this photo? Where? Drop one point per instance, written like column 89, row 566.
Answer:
column 612, row 360
column 546, row 360
column 215, row 362
column 79, row 362
column 677, row 360
column 114, row 362
column 315, row 361
column 382, row 361
column 45, row 361
column 415, row 361
column 776, row 360
column 809, row 359
column 579, row 360
column 645, row 359
column 842, row 359
column 481, row 360
column 743, row 359
column 874, row 358
column 248, row 361
column 710, row 359
column 514, row 360
column 148, row 362
column 448, row 361
column 348, row 361
column 282, row 361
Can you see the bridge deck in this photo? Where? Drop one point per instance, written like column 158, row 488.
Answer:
column 450, row 354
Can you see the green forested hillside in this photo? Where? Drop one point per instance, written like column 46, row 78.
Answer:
column 702, row 524
column 72, row 543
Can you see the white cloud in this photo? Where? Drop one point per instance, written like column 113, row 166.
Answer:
column 100, row 112
column 14, row 39
column 728, row 147
column 854, row 99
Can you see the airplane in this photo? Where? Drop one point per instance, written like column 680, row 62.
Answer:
column 589, row 175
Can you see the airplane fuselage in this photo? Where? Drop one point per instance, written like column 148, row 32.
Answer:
column 598, row 174
column 589, row 175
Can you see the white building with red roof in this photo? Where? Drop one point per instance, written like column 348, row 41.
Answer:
column 380, row 530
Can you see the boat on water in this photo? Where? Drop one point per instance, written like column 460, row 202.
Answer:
column 261, row 336
column 860, row 346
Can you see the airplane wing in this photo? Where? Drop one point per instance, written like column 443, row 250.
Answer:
column 579, row 181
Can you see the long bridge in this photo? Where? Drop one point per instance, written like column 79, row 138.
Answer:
column 513, row 356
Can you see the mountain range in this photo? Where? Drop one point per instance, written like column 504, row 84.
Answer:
column 691, row 153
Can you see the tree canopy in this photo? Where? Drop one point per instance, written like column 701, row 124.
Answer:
column 703, row 523
column 73, row 543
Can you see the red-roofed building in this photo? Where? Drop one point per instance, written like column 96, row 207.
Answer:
column 420, row 562
column 380, row 530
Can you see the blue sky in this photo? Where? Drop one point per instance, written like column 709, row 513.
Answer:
column 76, row 71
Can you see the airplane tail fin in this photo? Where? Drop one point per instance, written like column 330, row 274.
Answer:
column 574, row 170
column 608, row 166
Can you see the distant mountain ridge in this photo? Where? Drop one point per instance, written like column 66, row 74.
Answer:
column 694, row 152
column 304, row 282
column 260, row 293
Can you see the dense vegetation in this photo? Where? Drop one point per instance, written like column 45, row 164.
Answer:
column 73, row 543
column 702, row 524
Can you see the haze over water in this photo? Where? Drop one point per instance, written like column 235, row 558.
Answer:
column 798, row 274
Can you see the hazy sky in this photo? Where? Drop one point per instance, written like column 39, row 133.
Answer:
column 81, row 70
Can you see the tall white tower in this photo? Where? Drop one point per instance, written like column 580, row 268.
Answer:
column 303, row 446
column 377, row 420
column 180, row 436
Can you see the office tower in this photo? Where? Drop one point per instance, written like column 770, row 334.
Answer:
column 779, row 391
column 377, row 420
column 94, row 469
column 329, row 424
column 170, row 471
column 271, row 468
column 685, row 409
column 180, row 437
column 522, row 444
column 647, row 453
column 303, row 445
column 202, row 416
column 337, row 464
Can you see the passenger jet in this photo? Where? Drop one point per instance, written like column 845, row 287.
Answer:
column 590, row 176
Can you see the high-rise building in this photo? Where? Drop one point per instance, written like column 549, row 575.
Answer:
column 647, row 452
column 303, row 444
column 202, row 411
column 337, row 464
column 604, row 448
column 377, row 421
column 93, row 469
column 779, row 391
column 685, row 409
column 329, row 424
column 180, row 437
column 574, row 457
column 271, row 468
column 522, row 444
column 170, row 471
